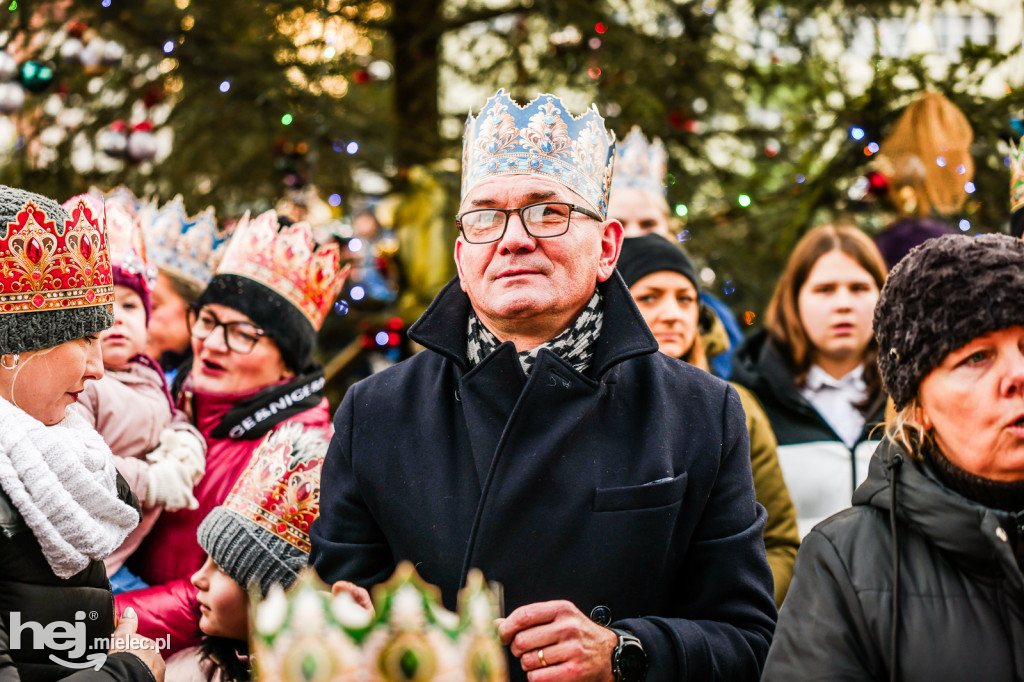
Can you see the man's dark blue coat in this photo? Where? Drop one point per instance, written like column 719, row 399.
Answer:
column 628, row 486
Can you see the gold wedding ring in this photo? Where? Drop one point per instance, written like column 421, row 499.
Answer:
column 540, row 657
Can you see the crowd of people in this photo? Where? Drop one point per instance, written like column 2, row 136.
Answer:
column 849, row 505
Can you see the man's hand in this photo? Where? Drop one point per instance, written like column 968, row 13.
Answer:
column 125, row 639
column 554, row 640
column 359, row 594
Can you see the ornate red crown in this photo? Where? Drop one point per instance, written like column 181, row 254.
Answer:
column 280, row 490
column 288, row 261
column 47, row 264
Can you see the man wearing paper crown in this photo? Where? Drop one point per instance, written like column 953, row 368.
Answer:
column 638, row 186
column 542, row 438
column 253, row 330
column 63, row 507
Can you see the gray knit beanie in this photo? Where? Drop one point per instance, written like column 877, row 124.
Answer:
column 946, row 292
column 260, row 534
column 56, row 286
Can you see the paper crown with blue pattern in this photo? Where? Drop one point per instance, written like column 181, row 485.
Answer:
column 542, row 138
column 640, row 164
column 187, row 246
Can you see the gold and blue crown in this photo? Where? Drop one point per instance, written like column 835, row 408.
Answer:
column 187, row 246
column 640, row 164
column 542, row 138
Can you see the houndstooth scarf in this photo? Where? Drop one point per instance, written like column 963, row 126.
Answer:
column 575, row 345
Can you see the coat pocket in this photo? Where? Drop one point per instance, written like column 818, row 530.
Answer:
column 645, row 496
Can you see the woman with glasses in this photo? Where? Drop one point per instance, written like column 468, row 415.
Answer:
column 252, row 330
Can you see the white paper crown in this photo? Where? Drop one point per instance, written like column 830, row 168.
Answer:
column 640, row 164
column 189, row 247
column 542, row 138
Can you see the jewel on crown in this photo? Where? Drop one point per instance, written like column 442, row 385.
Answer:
column 543, row 138
column 123, row 232
column 189, row 247
column 288, row 261
column 48, row 264
column 306, row 634
column 640, row 164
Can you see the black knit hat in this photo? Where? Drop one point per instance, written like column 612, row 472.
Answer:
column 24, row 328
column 291, row 331
column 945, row 293
column 642, row 256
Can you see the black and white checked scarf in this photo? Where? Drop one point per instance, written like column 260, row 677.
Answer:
column 575, row 345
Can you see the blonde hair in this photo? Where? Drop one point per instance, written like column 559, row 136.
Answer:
column 930, row 128
column 904, row 429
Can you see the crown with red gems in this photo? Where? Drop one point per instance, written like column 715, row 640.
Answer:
column 640, row 164
column 124, row 234
column 53, row 262
column 189, row 247
column 541, row 138
column 308, row 634
column 288, row 261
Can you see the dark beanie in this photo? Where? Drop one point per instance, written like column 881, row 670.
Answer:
column 23, row 328
column 642, row 256
column 269, row 310
column 945, row 293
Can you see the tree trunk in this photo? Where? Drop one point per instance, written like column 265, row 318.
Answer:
column 416, row 30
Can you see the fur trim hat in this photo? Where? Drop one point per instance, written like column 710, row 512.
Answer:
column 260, row 534
column 56, row 281
column 642, row 256
column 945, row 293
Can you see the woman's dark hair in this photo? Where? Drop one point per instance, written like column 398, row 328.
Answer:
column 230, row 656
column 783, row 317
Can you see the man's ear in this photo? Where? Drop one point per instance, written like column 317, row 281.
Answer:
column 458, row 261
column 611, row 247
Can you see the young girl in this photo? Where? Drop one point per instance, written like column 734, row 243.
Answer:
column 258, row 537
column 813, row 368
column 663, row 283
column 157, row 450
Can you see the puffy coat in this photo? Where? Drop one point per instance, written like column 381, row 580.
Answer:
column 171, row 553
column 628, row 487
column 29, row 588
column 821, row 472
column 957, row 605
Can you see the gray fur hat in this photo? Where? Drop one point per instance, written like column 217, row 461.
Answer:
column 260, row 534
column 46, row 299
column 946, row 292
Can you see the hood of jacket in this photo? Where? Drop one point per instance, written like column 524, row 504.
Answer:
column 758, row 365
column 967, row 531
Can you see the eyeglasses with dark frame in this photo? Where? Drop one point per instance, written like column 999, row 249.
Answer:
column 542, row 220
column 239, row 336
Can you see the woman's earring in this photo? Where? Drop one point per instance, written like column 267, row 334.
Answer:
column 3, row 361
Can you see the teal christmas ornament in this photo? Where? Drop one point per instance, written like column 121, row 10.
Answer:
column 36, row 76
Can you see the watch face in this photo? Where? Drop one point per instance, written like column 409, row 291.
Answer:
column 631, row 662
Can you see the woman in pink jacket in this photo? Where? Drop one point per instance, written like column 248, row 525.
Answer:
column 253, row 332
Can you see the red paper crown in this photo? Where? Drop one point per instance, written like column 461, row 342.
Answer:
column 279, row 490
column 49, row 265
column 288, row 261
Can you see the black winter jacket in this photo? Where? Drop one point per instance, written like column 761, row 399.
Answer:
column 959, row 598
column 29, row 588
column 821, row 472
column 628, row 487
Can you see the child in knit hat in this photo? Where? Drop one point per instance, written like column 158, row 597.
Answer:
column 157, row 450
column 257, row 538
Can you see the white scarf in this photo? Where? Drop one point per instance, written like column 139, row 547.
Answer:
column 62, row 481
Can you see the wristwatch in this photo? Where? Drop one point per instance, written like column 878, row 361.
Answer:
column 629, row 661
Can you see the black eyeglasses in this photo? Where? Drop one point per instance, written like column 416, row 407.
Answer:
column 240, row 337
column 542, row 221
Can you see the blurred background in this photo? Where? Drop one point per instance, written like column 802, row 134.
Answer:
column 350, row 115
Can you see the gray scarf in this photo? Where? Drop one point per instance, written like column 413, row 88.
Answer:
column 575, row 345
